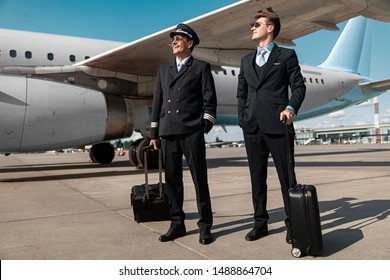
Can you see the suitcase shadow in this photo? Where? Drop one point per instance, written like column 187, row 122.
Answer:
column 340, row 239
column 347, row 219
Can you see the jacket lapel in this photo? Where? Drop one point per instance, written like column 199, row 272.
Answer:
column 172, row 72
column 176, row 75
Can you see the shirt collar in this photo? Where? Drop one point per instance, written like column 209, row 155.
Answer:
column 184, row 61
column 267, row 48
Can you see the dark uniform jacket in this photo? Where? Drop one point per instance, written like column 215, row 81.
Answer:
column 183, row 99
column 262, row 98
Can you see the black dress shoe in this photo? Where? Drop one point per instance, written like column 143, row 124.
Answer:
column 256, row 233
column 289, row 237
column 205, row 237
column 173, row 233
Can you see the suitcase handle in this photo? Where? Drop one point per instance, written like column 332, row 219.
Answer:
column 160, row 184
column 289, row 156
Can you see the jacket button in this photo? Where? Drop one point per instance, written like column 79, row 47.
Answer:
column 169, row 101
column 177, row 111
column 169, row 111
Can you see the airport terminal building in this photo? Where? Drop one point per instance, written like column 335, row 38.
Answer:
column 366, row 134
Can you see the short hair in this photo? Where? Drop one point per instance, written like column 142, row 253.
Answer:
column 271, row 17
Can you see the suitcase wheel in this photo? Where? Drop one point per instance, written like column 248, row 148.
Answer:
column 296, row 253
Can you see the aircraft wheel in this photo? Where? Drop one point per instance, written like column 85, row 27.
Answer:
column 102, row 153
column 91, row 152
column 152, row 155
column 133, row 155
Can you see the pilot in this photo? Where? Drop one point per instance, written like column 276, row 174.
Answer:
column 184, row 108
column 266, row 74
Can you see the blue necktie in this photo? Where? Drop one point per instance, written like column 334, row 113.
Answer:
column 179, row 66
column 260, row 58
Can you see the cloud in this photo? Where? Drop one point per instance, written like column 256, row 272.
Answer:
column 362, row 123
column 337, row 114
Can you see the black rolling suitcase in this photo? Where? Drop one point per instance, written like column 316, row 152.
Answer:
column 305, row 220
column 149, row 201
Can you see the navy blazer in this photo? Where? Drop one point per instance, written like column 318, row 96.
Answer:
column 262, row 99
column 181, row 99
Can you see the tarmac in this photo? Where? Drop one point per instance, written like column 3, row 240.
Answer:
column 62, row 207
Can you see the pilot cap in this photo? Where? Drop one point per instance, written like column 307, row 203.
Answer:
column 187, row 31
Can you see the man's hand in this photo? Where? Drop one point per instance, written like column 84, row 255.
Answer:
column 208, row 125
column 155, row 143
column 288, row 115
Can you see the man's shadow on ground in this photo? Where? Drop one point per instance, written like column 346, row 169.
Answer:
column 343, row 224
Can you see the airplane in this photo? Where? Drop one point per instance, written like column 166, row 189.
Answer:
column 59, row 92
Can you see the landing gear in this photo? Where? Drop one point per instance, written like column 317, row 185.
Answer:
column 102, row 153
column 133, row 153
column 136, row 155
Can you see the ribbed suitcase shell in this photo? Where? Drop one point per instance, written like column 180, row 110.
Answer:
column 305, row 220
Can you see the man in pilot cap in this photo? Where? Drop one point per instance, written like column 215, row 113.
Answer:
column 184, row 108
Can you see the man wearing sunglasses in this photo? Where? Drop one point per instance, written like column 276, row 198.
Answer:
column 184, row 108
column 263, row 105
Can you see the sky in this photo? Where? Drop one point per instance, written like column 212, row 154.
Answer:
column 127, row 20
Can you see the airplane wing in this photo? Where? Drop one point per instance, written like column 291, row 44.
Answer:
column 224, row 39
column 225, row 34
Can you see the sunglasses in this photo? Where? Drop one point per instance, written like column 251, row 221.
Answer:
column 258, row 24
column 178, row 38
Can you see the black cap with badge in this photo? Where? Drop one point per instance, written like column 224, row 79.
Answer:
column 187, row 31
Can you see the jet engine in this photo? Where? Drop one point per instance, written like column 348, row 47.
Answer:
column 41, row 115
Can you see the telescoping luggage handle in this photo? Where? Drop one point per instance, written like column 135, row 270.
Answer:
column 289, row 156
column 160, row 184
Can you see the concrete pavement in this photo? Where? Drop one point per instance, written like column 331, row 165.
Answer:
column 63, row 207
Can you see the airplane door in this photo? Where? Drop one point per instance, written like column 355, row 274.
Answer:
column 12, row 112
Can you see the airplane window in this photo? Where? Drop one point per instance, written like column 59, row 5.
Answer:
column 216, row 72
column 72, row 58
column 322, row 81
column 224, row 72
column 50, row 56
column 311, row 80
column 304, row 79
column 316, row 81
column 12, row 53
column 86, row 57
column 233, row 72
column 28, row 54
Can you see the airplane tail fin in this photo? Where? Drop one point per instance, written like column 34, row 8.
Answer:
column 347, row 52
